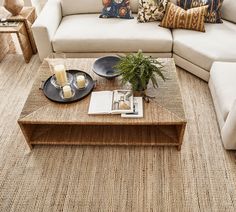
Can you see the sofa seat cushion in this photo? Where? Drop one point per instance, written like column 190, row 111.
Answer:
column 88, row 33
column 202, row 49
column 223, row 75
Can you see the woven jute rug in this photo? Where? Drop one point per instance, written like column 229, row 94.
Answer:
column 201, row 177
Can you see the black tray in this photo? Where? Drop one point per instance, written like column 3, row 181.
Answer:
column 53, row 93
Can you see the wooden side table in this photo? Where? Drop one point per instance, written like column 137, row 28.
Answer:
column 25, row 20
column 23, row 38
column 27, row 16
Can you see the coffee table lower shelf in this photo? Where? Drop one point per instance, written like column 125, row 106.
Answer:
column 74, row 134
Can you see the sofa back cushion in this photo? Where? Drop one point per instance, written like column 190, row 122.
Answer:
column 214, row 8
column 229, row 10
column 70, row 7
column 134, row 5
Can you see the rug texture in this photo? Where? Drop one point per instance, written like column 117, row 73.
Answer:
column 201, row 177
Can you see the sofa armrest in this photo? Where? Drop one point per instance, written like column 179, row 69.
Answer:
column 228, row 131
column 45, row 27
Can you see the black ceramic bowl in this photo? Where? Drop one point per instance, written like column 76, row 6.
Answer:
column 104, row 67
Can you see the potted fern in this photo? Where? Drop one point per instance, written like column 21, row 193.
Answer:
column 138, row 70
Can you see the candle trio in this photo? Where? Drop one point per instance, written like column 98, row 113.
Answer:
column 62, row 80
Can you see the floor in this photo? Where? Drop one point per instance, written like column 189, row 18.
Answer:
column 202, row 177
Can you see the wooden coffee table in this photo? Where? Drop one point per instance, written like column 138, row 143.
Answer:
column 46, row 122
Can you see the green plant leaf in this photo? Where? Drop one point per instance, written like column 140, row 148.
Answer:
column 138, row 69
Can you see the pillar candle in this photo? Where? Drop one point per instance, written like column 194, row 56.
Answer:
column 80, row 81
column 60, row 74
column 67, row 92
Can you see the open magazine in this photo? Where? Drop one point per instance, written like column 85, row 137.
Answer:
column 111, row 102
column 138, row 109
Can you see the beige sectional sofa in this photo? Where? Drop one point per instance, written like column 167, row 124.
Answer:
column 73, row 27
column 192, row 48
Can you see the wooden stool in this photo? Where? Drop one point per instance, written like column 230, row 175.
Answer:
column 23, row 30
column 23, row 38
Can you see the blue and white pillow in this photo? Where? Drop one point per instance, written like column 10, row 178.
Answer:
column 116, row 9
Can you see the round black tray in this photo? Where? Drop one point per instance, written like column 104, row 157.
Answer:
column 53, row 93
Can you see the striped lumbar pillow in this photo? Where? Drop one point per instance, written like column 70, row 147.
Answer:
column 176, row 17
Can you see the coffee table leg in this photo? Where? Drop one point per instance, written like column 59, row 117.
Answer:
column 27, row 132
column 181, row 130
column 179, row 147
column 25, row 44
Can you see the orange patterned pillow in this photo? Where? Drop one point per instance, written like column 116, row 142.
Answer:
column 178, row 18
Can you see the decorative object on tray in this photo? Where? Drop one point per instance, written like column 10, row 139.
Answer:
column 178, row 18
column 67, row 92
column 104, row 67
column 116, row 9
column 138, row 70
column 71, row 91
column 111, row 102
column 213, row 14
column 151, row 10
column 57, row 65
column 14, row 6
column 81, row 81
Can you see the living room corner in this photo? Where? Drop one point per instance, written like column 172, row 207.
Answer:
column 117, row 105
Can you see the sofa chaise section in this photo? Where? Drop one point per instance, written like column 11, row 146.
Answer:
column 223, row 89
column 196, row 51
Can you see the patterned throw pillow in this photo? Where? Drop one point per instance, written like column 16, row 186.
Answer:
column 175, row 17
column 151, row 10
column 214, row 10
column 116, row 9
